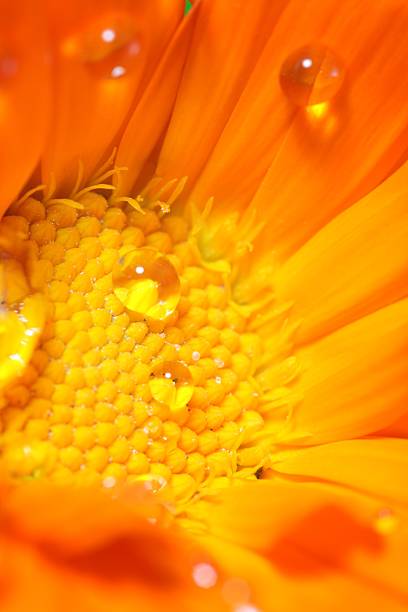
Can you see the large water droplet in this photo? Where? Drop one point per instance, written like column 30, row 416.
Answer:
column 109, row 47
column 146, row 283
column 22, row 320
column 311, row 75
column 171, row 384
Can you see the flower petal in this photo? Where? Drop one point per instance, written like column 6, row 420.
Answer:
column 24, row 94
column 271, row 589
column 152, row 113
column 61, row 561
column 377, row 466
column 316, row 161
column 354, row 265
column 399, row 428
column 225, row 46
column 354, row 381
column 323, row 544
column 99, row 79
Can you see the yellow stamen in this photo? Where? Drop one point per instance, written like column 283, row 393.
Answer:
column 135, row 359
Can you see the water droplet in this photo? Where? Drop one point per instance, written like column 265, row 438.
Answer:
column 195, row 355
column 147, row 283
column 385, row 522
column 109, row 482
column 311, row 75
column 204, row 575
column 171, row 384
column 109, row 47
column 219, row 362
column 218, row 380
column 153, row 483
column 22, row 319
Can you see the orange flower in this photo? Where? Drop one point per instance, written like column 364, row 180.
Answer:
column 203, row 328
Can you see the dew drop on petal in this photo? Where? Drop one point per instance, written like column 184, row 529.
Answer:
column 146, row 283
column 204, row 575
column 385, row 522
column 109, row 47
column 311, row 75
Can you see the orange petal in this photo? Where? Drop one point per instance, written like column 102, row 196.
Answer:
column 89, row 552
column 324, row 546
column 399, row 428
column 226, row 44
column 353, row 382
column 105, row 53
column 24, row 94
column 354, row 265
column 255, row 577
column 152, row 113
column 377, row 466
column 314, row 162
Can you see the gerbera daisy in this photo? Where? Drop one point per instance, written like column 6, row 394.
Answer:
column 203, row 332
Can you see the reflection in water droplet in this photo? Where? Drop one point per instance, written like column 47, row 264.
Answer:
column 109, row 47
column 147, row 283
column 311, row 75
column 171, row 384
column 204, row 575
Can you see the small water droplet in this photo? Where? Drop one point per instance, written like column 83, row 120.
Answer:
column 311, row 75
column 146, row 282
column 171, row 384
column 109, row 482
column 195, row 355
column 154, row 483
column 219, row 362
column 385, row 522
column 204, row 575
column 218, row 380
column 109, row 47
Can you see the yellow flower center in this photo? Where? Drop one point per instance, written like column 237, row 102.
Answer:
column 123, row 354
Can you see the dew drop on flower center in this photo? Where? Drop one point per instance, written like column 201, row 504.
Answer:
column 144, row 363
column 146, row 282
